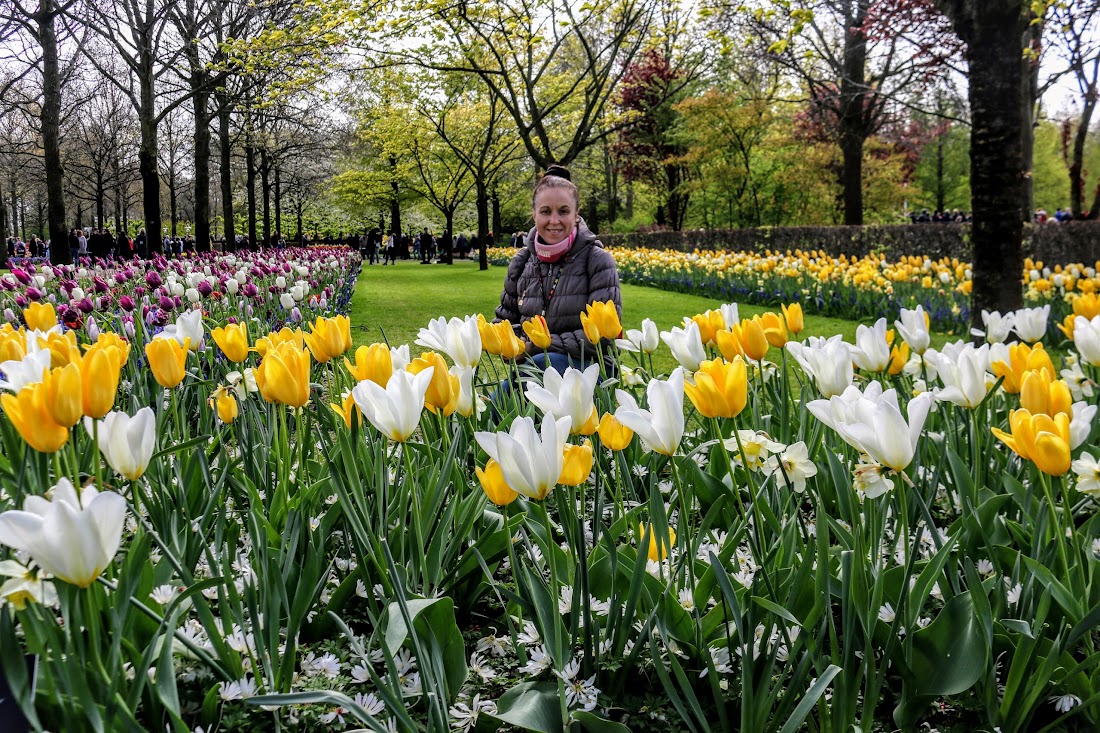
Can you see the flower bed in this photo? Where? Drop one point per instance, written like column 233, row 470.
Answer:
column 843, row 287
column 210, row 523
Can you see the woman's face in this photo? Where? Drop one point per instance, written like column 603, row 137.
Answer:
column 555, row 214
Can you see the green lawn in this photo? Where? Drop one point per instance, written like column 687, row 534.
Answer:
column 393, row 302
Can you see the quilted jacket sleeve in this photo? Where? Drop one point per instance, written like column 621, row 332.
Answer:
column 509, row 299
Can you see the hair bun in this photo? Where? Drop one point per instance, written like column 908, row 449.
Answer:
column 559, row 171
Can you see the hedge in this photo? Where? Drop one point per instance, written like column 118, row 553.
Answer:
column 1076, row 241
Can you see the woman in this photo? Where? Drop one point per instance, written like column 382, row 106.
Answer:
column 560, row 269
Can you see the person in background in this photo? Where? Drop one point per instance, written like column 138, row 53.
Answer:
column 560, row 270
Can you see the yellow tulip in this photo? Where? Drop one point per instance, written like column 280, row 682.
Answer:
column 511, row 346
column 1022, row 359
column 232, row 339
column 284, row 335
column 371, row 362
column 283, row 375
column 537, row 330
column 729, row 343
column 710, row 323
column 112, row 340
column 490, row 336
column 63, row 348
column 591, row 329
column 656, row 551
column 61, row 393
column 347, row 409
column 1087, row 306
column 577, row 465
column 1066, row 326
column 1041, row 439
column 899, row 356
column 224, row 403
column 99, row 371
column 1039, row 394
column 443, row 390
column 605, row 317
column 613, row 434
column 40, row 316
column 492, row 482
column 774, row 330
column 330, row 337
column 793, row 315
column 720, row 389
column 28, row 412
column 167, row 358
column 753, row 339
column 13, row 346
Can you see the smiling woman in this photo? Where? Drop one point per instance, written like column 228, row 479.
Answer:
column 561, row 269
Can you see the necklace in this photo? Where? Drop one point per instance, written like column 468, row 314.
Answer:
column 547, row 296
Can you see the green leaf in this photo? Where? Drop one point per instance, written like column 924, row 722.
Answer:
column 532, row 706
column 817, row 689
column 433, row 619
column 596, row 724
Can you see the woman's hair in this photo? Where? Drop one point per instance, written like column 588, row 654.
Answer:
column 557, row 176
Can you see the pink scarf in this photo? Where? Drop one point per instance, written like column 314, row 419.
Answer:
column 554, row 252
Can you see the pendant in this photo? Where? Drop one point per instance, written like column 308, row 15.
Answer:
column 520, row 303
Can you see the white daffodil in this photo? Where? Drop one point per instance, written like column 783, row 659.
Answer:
column 913, row 327
column 71, row 536
column 1087, row 469
column 686, row 345
column 24, row 586
column 1030, row 324
column 871, row 352
column 1079, row 383
column 187, row 326
column 757, row 448
column 661, row 427
column 646, row 340
column 127, row 443
column 458, row 338
column 568, row 395
column 1086, row 337
column 28, row 370
column 792, row 467
column 869, row 480
column 964, row 376
column 394, row 410
column 531, row 463
column 997, row 327
column 827, row 363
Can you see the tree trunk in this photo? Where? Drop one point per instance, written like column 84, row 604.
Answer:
column 229, row 226
column 278, row 202
column 118, row 208
column 853, row 114
column 15, row 210
column 100, row 200
column 200, row 101
column 1080, row 138
column 395, row 201
column 3, row 230
column 494, row 199
column 265, row 185
column 941, row 183
column 1029, row 99
column 997, row 172
column 677, row 200
column 172, row 198
column 298, row 211
column 147, row 155
column 250, row 186
column 482, row 224
column 51, row 134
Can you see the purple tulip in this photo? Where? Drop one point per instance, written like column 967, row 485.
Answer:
column 295, row 314
column 251, row 291
column 204, row 289
column 21, row 301
column 21, row 276
column 153, row 279
column 9, row 315
column 85, row 305
column 100, row 284
column 34, row 293
column 126, row 303
column 166, row 303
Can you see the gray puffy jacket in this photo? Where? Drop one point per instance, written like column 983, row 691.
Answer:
column 587, row 274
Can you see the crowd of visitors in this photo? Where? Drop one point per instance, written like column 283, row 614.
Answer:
column 423, row 246
column 954, row 216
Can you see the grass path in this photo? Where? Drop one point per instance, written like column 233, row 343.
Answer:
column 396, row 301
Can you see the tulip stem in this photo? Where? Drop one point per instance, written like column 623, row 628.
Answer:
column 96, row 462
column 556, row 642
column 1059, row 537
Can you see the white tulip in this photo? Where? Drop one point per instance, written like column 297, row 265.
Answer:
column 394, row 410
column 280, row 282
column 468, row 401
column 77, row 293
column 458, row 338
column 127, row 443
column 73, row 537
column 399, row 357
column 646, row 340
column 28, row 370
column 531, row 464
column 1031, row 323
column 568, row 395
column 914, row 329
column 187, row 326
column 997, row 327
column 1086, row 337
column 1081, row 423
column 192, row 295
column 661, row 427
column 871, row 351
column 872, row 423
column 964, row 377
column 232, row 286
column 286, row 300
column 686, row 346
column 730, row 314
column 827, row 363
